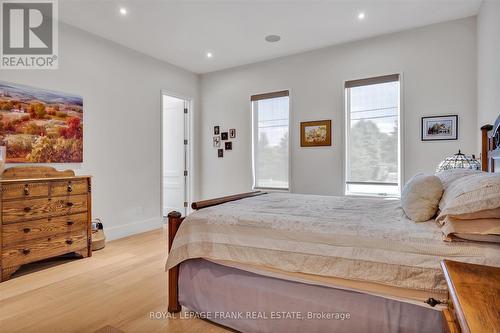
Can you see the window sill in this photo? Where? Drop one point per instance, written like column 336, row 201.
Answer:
column 272, row 189
column 373, row 195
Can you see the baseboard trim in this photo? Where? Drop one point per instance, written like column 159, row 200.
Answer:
column 129, row 229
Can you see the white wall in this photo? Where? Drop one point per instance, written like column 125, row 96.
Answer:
column 438, row 64
column 488, row 61
column 121, row 96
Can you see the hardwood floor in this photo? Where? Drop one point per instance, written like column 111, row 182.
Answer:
column 116, row 288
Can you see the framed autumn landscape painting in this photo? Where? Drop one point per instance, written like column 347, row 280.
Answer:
column 316, row 133
column 40, row 126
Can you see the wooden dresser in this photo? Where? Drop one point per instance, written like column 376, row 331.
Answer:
column 45, row 213
column 474, row 298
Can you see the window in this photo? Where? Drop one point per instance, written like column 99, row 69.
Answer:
column 270, row 118
column 373, row 136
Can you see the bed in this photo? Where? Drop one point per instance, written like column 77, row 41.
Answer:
column 275, row 262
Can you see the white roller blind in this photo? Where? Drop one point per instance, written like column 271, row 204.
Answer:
column 270, row 141
column 373, row 137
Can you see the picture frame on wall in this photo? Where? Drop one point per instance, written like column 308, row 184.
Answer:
column 217, row 141
column 228, row 145
column 316, row 133
column 40, row 125
column 232, row 133
column 220, row 152
column 224, row 136
column 439, row 128
column 216, row 130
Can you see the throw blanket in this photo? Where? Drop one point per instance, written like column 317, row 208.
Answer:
column 355, row 238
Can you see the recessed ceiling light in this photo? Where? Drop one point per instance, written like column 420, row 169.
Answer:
column 209, row 55
column 361, row 16
column 272, row 38
column 123, row 11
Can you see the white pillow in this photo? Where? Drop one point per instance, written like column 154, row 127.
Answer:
column 471, row 194
column 420, row 197
column 449, row 176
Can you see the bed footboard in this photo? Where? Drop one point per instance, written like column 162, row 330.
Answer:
column 174, row 222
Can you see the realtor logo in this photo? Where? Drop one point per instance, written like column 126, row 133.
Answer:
column 29, row 34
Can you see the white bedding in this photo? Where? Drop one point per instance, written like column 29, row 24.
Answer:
column 355, row 238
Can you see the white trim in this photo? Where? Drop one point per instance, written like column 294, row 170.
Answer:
column 189, row 188
column 133, row 228
column 402, row 131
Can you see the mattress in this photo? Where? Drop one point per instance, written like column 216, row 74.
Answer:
column 358, row 239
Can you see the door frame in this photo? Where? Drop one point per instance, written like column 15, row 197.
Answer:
column 189, row 156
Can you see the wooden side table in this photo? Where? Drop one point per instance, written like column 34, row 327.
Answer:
column 474, row 297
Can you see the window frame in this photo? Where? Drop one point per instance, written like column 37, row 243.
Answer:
column 254, row 131
column 401, row 130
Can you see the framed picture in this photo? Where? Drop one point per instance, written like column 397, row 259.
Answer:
column 316, row 133
column 440, row 128
column 216, row 130
column 223, row 135
column 39, row 125
column 220, row 152
column 232, row 133
column 228, row 145
column 217, row 141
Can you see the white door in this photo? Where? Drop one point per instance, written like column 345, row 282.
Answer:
column 175, row 154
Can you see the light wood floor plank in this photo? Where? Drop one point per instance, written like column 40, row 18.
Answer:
column 118, row 286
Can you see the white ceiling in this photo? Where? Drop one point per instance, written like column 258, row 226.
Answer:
column 181, row 32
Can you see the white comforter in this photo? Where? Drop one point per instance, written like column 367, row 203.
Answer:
column 363, row 239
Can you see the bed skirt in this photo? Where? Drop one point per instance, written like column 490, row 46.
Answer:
column 249, row 302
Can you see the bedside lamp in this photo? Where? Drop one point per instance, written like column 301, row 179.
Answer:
column 459, row 161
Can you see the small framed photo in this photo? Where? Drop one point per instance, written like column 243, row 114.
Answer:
column 220, row 152
column 228, row 145
column 232, row 133
column 223, row 136
column 217, row 141
column 216, row 130
column 439, row 128
column 316, row 133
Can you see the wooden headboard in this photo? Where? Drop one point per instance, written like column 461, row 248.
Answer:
column 490, row 147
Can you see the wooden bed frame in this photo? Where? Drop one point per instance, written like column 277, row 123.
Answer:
column 490, row 152
column 174, row 222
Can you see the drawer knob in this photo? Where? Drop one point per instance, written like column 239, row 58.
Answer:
column 70, row 222
column 69, row 204
column 70, row 189
column 26, row 230
column 27, row 209
column 26, row 251
column 69, row 241
column 26, row 190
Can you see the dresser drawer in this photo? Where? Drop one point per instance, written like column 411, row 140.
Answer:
column 60, row 188
column 43, row 248
column 24, row 190
column 31, row 209
column 25, row 231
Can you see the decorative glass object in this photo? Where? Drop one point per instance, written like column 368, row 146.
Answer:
column 459, row 161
